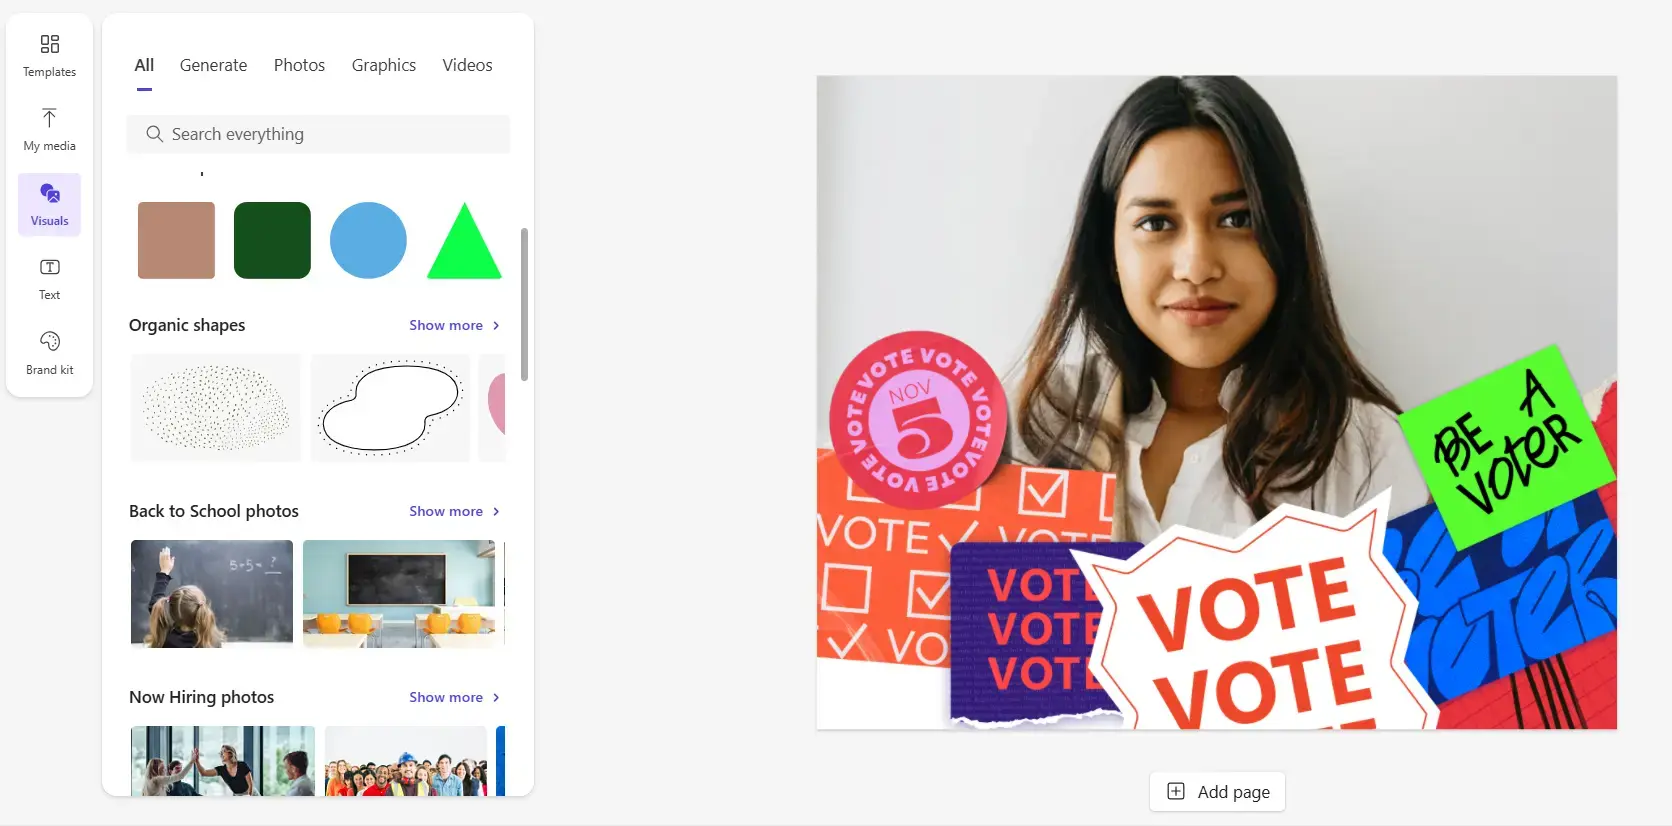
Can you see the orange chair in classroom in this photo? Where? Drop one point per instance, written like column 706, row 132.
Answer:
column 470, row 624
column 329, row 623
column 359, row 623
column 437, row 623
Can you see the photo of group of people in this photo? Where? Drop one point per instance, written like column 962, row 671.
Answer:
column 217, row 761
column 443, row 776
column 412, row 761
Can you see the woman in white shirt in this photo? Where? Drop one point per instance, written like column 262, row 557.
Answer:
column 157, row 779
column 1191, row 341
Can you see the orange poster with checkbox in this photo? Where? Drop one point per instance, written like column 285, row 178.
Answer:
column 884, row 573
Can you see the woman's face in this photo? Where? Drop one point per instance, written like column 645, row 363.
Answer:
column 1190, row 267
column 423, row 775
column 227, row 756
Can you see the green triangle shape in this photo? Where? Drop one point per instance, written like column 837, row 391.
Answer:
column 464, row 254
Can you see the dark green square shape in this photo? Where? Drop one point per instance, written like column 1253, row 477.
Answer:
column 271, row 240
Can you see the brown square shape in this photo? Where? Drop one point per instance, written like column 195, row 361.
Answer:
column 177, row 240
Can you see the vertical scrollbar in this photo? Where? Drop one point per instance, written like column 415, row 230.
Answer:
column 525, row 307
column 49, row 168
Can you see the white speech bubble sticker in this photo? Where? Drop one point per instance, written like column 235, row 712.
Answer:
column 1299, row 623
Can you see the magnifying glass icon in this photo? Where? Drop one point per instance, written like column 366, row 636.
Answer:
column 154, row 133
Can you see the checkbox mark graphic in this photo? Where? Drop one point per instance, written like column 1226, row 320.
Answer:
column 926, row 596
column 935, row 600
column 1042, row 498
column 1044, row 492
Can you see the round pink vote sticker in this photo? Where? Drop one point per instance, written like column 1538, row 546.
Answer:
column 918, row 420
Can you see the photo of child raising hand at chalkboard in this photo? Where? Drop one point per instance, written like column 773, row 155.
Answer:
column 1212, row 374
column 181, row 618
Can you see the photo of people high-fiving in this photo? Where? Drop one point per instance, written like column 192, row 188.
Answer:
column 222, row 761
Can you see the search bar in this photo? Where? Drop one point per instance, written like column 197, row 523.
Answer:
column 320, row 134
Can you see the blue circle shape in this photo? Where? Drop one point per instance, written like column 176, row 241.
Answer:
column 368, row 240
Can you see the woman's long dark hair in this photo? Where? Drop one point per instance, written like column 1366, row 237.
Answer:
column 1299, row 376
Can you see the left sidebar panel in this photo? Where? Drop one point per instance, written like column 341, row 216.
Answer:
column 49, row 183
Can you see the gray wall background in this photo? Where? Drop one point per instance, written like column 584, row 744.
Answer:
column 1467, row 222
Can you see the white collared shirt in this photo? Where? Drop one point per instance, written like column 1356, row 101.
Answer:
column 1371, row 457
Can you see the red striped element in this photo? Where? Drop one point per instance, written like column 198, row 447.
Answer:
column 1572, row 690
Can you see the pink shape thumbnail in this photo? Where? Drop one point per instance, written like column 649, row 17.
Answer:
column 496, row 401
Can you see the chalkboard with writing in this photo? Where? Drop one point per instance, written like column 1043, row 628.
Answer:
column 397, row 579
column 250, row 584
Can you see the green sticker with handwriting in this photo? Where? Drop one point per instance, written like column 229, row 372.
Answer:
column 1507, row 447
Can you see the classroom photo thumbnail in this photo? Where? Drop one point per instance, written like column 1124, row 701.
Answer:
column 191, row 593
column 403, row 593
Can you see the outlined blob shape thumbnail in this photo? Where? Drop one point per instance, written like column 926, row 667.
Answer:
column 391, row 407
column 214, row 407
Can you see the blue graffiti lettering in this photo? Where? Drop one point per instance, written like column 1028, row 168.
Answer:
column 1531, row 592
